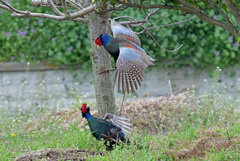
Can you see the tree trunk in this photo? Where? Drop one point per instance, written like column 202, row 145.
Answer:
column 101, row 60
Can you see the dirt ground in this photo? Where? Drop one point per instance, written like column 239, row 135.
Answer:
column 203, row 146
column 57, row 154
column 199, row 150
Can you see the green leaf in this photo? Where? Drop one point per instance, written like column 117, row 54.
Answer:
column 238, row 39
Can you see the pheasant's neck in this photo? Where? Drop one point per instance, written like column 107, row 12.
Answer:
column 88, row 116
column 106, row 39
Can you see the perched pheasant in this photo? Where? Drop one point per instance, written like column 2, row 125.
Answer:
column 110, row 132
column 131, row 60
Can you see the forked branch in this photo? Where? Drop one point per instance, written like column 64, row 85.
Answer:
column 76, row 16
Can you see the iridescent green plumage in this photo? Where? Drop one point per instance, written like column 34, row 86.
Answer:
column 102, row 129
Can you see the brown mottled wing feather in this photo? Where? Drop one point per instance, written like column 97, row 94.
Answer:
column 121, row 31
column 130, row 66
column 119, row 121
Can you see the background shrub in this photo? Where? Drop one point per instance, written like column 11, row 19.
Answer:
column 67, row 42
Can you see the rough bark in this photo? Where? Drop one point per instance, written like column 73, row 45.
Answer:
column 233, row 9
column 104, row 91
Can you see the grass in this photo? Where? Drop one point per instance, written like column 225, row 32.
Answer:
column 199, row 128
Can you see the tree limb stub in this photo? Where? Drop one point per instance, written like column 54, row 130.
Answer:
column 233, row 10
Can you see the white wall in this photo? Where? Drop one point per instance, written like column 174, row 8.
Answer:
column 21, row 84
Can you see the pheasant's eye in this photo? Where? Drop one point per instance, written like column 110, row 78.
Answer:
column 98, row 41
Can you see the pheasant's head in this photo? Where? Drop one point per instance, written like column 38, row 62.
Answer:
column 84, row 110
column 98, row 40
column 103, row 40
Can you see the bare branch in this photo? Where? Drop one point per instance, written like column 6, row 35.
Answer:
column 202, row 15
column 220, row 12
column 176, row 23
column 74, row 4
column 134, row 5
column 75, row 16
column 53, row 17
column 233, row 10
column 189, row 8
column 12, row 8
column 54, row 8
column 5, row 7
column 161, row 46
column 83, row 12
column 65, row 7
column 141, row 21
column 39, row 2
column 146, row 28
column 160, row 19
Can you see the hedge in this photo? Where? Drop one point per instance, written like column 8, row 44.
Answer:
column 67, row 42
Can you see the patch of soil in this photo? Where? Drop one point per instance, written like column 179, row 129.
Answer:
column 203, row 146
column 156, row 115
column 57, row 154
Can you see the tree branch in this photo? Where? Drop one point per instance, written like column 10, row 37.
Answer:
column 64, row 4
column 60, row 16
column 54, row 8
column 139, row 22
column 189, row 8
column 233, row 10
column 161, row 46
column 5, row 7
column 176, row 23
column 74, row 4
column 219, row 11
column 203, row 16
column 83, row 12
column 12, row 8
column 53, row 17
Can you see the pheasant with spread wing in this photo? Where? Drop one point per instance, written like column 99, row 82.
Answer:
column 131, row 60
column 102, row 129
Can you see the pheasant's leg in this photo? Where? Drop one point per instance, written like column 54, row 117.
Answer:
column 122, row 104
column 107, row 70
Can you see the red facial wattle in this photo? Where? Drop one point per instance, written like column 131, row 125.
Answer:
column 83, row 108
column 98, row 42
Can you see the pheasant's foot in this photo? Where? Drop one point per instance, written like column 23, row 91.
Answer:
column 106, row 71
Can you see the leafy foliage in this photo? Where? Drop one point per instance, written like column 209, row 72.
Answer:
column 66, row 42
column 32, row 39
column 203, row 44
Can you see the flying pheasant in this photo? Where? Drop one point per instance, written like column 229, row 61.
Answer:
column 131, row 60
